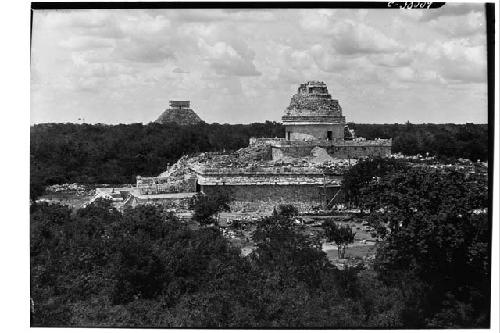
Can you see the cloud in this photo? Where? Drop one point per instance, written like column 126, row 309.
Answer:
column 220, row 15
column 454, row 61
column 145, row 52
column 470, row 24
column 349, row 38
column 234, row 67
column 179, row 71
column 86, row 42
column 295, row 59
column 450, row 9
column 248, row 60
column 197, row 15
column 398, row 59
column 319, row 21
column 415, row 75
column 460, row 63
column 228, row 61
column 328, row 61
column 100, row 23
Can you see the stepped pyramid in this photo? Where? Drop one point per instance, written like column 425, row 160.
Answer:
column 179, row 113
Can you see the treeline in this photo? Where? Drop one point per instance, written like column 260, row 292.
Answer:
column 83, row 153
column 116, row 154
column 144, row 268
column 446, row 141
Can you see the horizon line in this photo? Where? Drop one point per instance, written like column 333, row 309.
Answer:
column 263, row 122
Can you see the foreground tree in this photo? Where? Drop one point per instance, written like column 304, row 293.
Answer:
column 206, row 206
column 282, row 248
column 436, row 242
column 342, row 235
column 363, row 173
column 285, row 211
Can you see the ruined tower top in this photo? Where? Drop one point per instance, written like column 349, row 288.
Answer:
column 312, row 102
column 313, row 88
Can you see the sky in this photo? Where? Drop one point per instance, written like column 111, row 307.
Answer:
column 243, row 66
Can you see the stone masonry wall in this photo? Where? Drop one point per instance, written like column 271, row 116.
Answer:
column 358, row 151
column 168, row 203
column 314, row 132
column 253, row 141
column 336, row 148
column 295, row 152
column 159, row 185
column 286, row 177
column 265, row 197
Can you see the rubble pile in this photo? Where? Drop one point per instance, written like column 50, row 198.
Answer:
column 243, row 158
column 255, row 153
column 320, row 155
column 179, row 168
column 78, row 189
column 319, row 158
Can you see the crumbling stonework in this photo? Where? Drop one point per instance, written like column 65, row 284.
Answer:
column 174, row 201
column 285, row 175
column 305, row 197
column 130, row 197
column 361, row 149
column 313, row 101
column 159, row 185
column 338, row 149
column 314, row 131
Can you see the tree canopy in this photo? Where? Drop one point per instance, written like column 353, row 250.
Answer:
column 342, row 235
column 436, row 239
column 144, row 268
column 206, row 206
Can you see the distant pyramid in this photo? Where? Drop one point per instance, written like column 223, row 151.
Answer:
column 179, row 113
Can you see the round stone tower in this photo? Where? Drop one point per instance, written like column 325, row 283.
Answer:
column 313, row 114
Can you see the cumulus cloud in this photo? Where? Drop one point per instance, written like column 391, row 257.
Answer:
column 144, row 53
column 131, row 62
column 354, row 68
column 349, row 37
column 470, row 24
column 228, row 61
column 461, row 63
column 416, row 75
column 293, row 58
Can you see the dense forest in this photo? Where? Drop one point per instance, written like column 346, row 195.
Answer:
column 92, row 154
column 447, row 141
column 144, row 268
